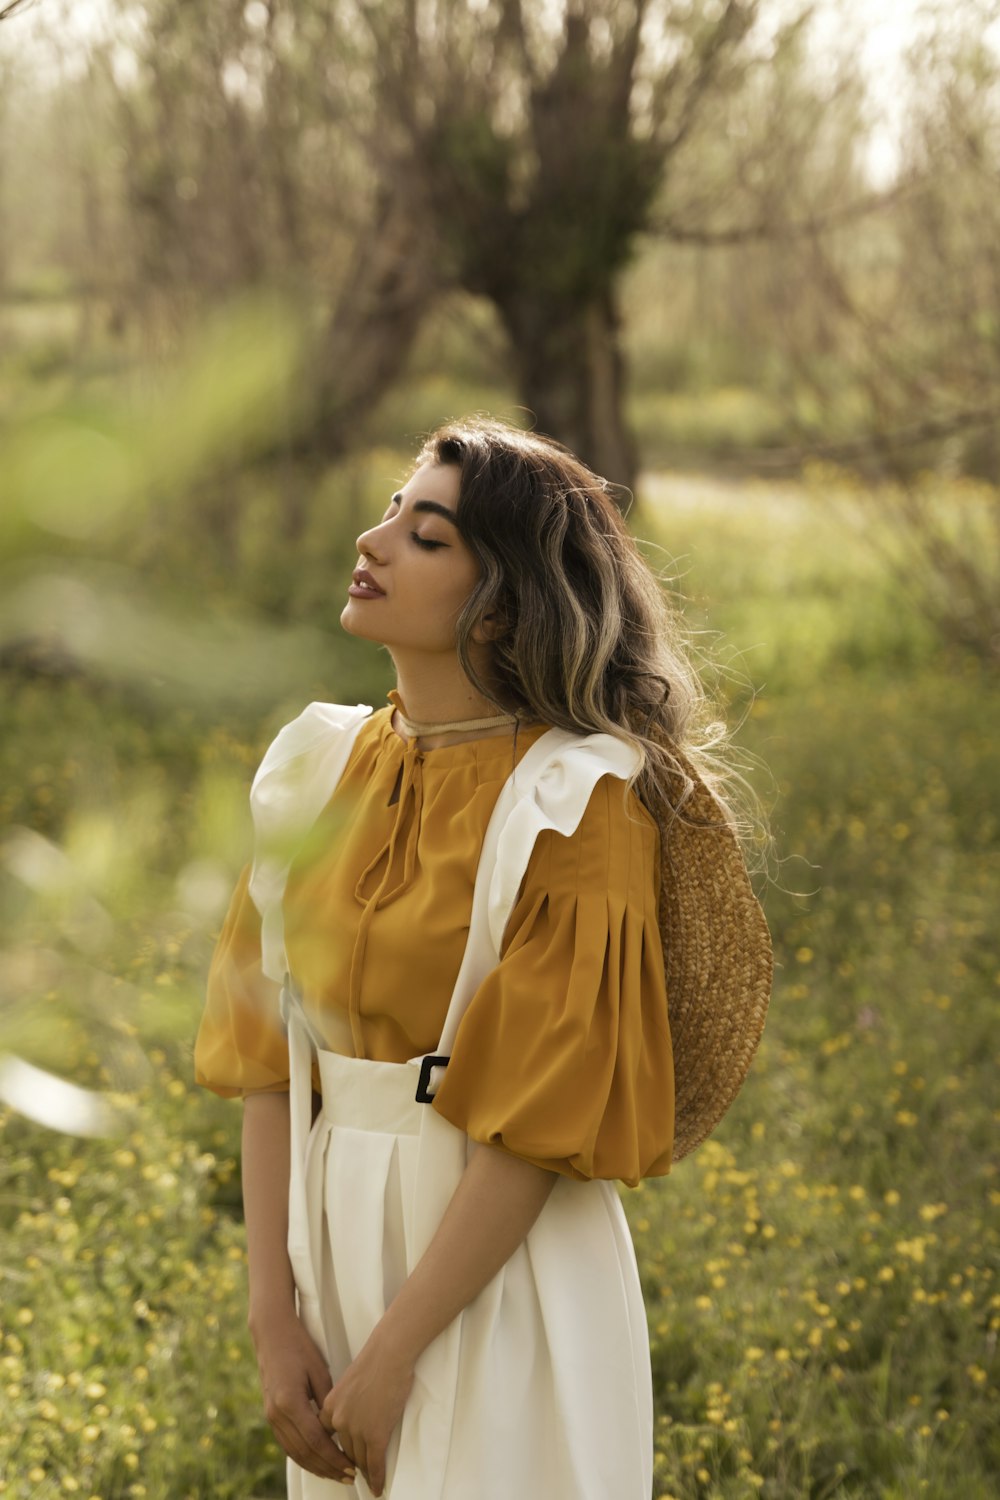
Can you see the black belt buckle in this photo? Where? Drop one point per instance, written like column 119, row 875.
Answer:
column 423, row 1082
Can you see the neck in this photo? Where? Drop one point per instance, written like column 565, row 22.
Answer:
column 437, row 691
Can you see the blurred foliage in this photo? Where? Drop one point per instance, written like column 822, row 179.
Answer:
column 820, row 1279
column 773, row 307
column 837, row 1246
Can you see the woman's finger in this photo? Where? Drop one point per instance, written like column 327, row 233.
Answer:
column 361, row 1455
column 375, row 1468
column 317, row 1374
column 342, row 1439
column 307, row 1442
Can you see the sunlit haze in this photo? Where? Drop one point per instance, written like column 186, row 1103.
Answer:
column 878, row 35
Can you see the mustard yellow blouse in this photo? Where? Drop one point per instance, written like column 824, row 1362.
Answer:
column 563, row 1057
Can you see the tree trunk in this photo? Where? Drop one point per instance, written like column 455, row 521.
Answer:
column 390, row 285
column 571, row 374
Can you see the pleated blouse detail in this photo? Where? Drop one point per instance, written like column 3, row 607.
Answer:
column 563, row 1057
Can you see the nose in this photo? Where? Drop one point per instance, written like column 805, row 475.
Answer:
column 367, row 543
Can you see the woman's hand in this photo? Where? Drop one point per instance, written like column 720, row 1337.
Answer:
column 293, row 1376
column 365, row 1407
column 495, row 1204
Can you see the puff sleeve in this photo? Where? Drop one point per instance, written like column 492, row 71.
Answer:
column 563, row 1057
column 241, row 1046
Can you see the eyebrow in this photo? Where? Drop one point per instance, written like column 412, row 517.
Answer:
column 428, row 505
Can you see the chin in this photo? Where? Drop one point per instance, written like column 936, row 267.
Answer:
column 352, row 620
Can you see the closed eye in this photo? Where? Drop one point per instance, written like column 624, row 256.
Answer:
column 415, row 536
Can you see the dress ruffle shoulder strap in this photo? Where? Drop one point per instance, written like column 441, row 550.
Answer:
column 549, row 789
column 293, row 784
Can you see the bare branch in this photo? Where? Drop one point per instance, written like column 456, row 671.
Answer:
column 511, row 29
column 729, row 30
column 769, row 229
column 874, row 446
column 626, row 58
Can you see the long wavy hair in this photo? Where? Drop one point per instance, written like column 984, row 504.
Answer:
column 584, row 636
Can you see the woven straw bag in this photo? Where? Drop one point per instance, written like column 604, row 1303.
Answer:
column 716, row 950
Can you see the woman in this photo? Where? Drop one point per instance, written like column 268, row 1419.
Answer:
column 451, row 1307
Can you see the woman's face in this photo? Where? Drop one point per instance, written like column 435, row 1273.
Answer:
column 419, row 562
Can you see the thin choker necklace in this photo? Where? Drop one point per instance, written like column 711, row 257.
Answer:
column 415, row 730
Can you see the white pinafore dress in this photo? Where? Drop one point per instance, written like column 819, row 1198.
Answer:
column 541, row 1388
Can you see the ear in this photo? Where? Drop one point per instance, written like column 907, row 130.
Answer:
column 487, row 629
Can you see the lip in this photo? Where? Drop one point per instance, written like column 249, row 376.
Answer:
column 363, row 586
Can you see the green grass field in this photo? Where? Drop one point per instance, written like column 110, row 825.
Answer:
column 820, row 1277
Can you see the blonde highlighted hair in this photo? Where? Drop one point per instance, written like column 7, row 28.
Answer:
column 584, row 637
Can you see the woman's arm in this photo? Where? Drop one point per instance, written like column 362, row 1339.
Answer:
column 293, row 1372
column 496, row 1202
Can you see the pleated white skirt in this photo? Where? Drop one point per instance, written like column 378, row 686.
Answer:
column 541, row 1388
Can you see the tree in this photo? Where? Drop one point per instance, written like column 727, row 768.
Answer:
column 912, row 313
column 539, row 141
column 244, row 167
column 371, row 153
